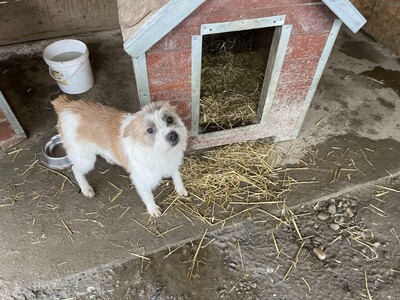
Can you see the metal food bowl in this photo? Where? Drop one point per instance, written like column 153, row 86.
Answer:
column 54, row 155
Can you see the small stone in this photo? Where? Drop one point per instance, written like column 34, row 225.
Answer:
column 316, row 225
column 340, row 204
column 254, row 285
column 323, row 216
column 341, row 220
column 320, row 253
column 317, row 239
column 332, row 209
column 353, row 202
column 232, row 265
column 332, row 200
column 346, row 204
column 270, row 270
column 349, row 212
column 334, row 226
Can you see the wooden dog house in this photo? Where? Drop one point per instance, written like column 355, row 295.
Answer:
column 166, row 40
column 11, row 132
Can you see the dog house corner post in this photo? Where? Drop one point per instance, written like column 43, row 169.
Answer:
column 142, row 79
column 196, row 81
column 11, row 132
column 274, row 67
column 317, row 76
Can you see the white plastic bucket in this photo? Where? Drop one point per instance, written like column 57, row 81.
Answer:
column 69, row 65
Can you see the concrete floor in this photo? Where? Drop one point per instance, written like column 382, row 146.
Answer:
column 355, row 108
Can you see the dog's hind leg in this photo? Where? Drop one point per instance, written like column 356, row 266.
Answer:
column 80, row 168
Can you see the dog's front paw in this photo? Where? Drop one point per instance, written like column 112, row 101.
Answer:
column 88, row 192
column 182, row 191
column 154, row 211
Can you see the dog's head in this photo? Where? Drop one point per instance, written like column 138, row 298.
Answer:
column 157, row 126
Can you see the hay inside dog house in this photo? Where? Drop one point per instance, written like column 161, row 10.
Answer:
column 235, row 69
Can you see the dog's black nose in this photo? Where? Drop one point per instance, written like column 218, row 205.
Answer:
column 173, row 138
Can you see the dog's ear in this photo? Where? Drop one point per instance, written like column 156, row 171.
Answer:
column 166, row 105
column 152, row 107
column 135, row 127
column 60, row 102
column 128, row 128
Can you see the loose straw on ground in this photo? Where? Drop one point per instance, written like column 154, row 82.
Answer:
column 13, row 198
column 363, row 237
column 294, row 262
column 56, row 172
column 309, row 288
column 392, row 231
column 191, row 270
column 29, row 168
column 140, row 256
column 231, row 182
column 117, row 194
column 276, row 245
column 366, row 285
column 70, row 233
column 240, row 255
column 16, row 152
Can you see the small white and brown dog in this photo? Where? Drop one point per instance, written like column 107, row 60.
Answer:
column 148, row 144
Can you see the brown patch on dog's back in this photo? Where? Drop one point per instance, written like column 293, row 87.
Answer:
column 98, row 124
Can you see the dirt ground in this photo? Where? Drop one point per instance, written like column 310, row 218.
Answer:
column 352, row 123
column 251, row 261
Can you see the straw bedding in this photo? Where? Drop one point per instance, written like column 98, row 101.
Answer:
column 231, row 88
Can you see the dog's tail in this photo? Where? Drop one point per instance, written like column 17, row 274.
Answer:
column 60, row 102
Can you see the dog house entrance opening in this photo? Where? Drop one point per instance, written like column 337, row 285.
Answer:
column 232, row 75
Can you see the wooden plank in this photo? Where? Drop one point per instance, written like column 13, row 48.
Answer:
column 346, row 11
column 29, row 20
column 158, row 25
column 133, row 15
column 222, row 6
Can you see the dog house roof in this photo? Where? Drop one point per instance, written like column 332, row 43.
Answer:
column 145, row 22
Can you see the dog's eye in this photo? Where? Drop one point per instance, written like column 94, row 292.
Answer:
column 150, row 130
column 169, row 120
